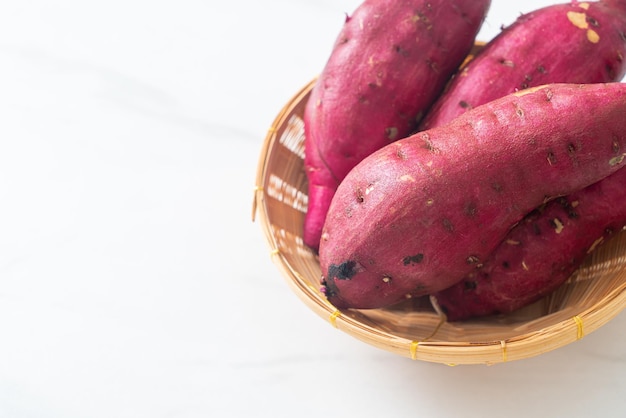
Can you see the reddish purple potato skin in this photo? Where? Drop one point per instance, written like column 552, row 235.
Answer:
column 618, row 4
column 387, row 66
column 592, row 33
column 562, row 43
column 541, row 252
column 418, row 215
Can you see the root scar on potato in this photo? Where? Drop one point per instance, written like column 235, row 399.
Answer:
column 595, row 244
column 617, row 160
column 413, row 259
column 558, row 225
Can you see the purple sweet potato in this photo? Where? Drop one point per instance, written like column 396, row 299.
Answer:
column 562, row 43
column 541, row 252
column 416, row 216
column 593, row 33
column 387, row 66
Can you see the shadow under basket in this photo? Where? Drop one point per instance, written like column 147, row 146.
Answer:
column 589, row 299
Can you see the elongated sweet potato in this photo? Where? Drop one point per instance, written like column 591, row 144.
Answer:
column 389, row 63
column 576, row 42
column 418, row 215
column 592, row 33
column 541, row 252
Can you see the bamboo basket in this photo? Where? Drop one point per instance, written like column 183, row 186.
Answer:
column 589, row 299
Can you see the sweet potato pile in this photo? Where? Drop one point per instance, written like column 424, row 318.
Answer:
column 485, row 186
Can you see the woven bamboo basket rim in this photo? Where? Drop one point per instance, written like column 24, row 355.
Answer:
column 590, row 299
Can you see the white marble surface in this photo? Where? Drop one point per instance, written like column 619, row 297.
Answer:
column 133, row 282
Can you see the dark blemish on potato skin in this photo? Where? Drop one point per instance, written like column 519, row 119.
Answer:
column 506, row 265
column 536, row 228
column 571, row 149
column 343, row 271
column 360, row 198
column 567, row 207
column 402, row 51
column 610, row 70
column 330, row 289
column 616, row 146
column 464, row 104
column 541, row 208
column 470, row 209
column 419, row 288
column 413, row 259
column 401, row 154
column 551, row 158
column 470, row 285
column 593, row 22
column 447, row 225
column 497, row 187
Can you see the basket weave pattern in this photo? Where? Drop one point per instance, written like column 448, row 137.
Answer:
column 590, row 298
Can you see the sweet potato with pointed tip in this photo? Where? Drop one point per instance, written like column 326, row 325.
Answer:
column 388, row 64
column 563, row 43
column 418, row 215
column 541, row 252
